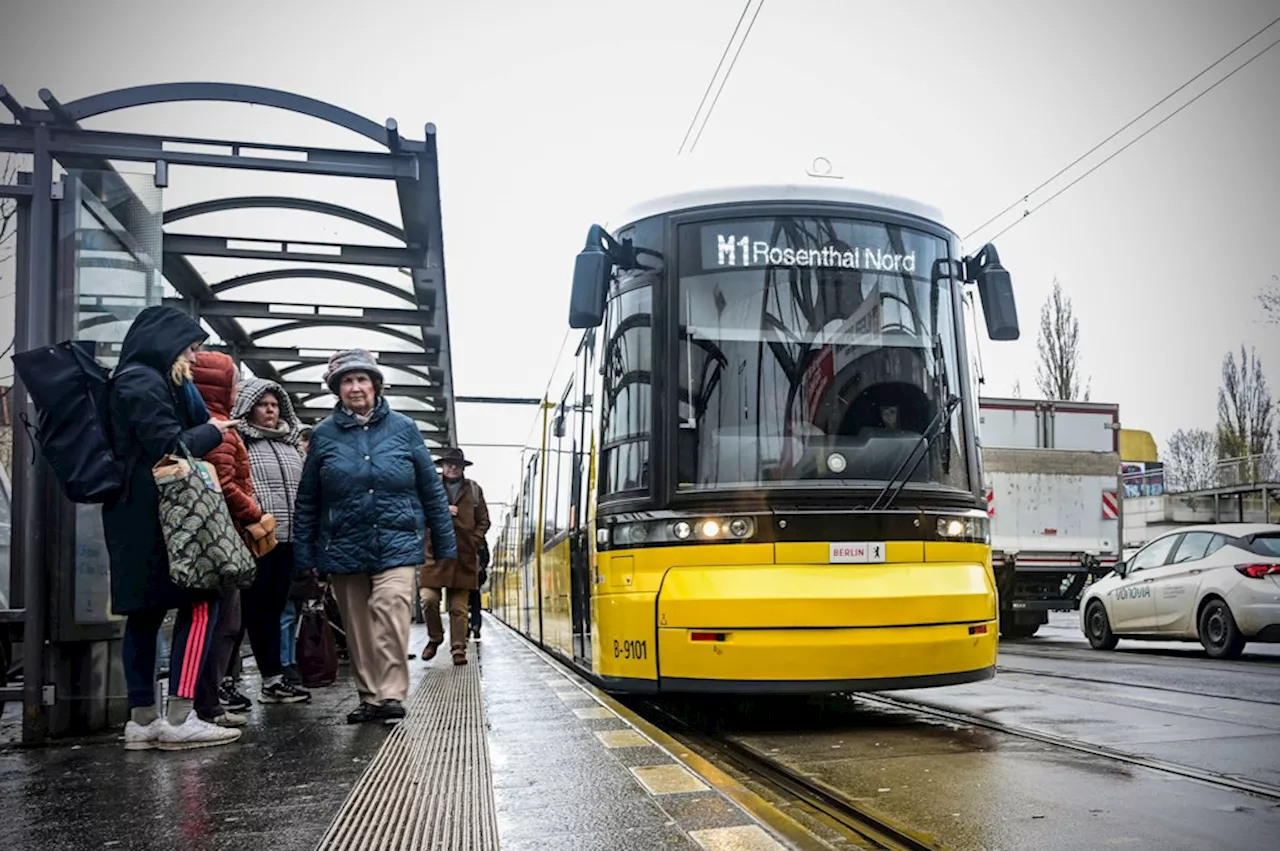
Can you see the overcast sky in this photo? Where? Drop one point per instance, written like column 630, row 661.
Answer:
column 550, row 113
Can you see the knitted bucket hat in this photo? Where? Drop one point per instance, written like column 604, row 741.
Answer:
column 352, row 360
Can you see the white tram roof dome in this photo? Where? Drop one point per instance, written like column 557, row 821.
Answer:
column 690, row 182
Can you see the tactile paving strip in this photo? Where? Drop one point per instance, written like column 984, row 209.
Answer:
column 429, row 787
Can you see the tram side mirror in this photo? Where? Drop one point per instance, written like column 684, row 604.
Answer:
column 591, row 273
column 995, row 288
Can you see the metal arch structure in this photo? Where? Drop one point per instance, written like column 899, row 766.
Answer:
column 280, row 202
column 74, row 170
column 317, row 274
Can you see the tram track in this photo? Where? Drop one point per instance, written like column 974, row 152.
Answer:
column 1029, row 672
column 1211, row 778
column 864, row 827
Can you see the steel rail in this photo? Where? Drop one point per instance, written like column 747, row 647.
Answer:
column 1211, row 778
column 828, row 802
column 1006, row 669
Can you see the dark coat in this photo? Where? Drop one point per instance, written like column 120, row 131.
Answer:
column 214, row 375
column 148, row 418
column 469, row 528
column 367, row 494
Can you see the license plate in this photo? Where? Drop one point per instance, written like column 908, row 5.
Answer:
column 856, row 552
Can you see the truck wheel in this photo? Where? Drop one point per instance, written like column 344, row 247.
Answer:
column 1018, row 631
column 1218, row 631
column 1097, row 627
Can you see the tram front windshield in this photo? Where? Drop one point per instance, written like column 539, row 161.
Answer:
column 815, row 352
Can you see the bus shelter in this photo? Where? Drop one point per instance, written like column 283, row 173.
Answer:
column 96, row 243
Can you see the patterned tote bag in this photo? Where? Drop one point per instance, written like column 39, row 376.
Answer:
column 205, row 552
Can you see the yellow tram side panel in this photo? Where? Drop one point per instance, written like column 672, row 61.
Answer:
column 557, row 612
column 920, row 614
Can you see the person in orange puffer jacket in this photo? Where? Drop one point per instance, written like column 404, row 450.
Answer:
column 218, row 380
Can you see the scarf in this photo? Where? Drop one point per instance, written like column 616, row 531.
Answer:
column 454, row 489
column 361, row 419
column 280, row 432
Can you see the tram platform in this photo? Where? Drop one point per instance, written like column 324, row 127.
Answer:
column 510, row 751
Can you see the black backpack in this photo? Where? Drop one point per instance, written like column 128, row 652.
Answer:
column 70, row 390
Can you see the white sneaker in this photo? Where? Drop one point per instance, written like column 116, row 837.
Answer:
column 194, row 733
column 231, row 719
column 138, row 737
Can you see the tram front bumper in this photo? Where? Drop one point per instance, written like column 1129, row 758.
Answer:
column 806, row 628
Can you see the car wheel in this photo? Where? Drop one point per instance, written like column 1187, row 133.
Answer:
column 1218, row 631
column 1097, row 627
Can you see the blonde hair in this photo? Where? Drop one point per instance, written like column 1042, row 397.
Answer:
column 180, row 372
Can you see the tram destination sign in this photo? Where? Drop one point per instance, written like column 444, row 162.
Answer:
column 822, row 244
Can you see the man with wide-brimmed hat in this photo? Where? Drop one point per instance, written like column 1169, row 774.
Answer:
column 461, row 575
column 368, row 487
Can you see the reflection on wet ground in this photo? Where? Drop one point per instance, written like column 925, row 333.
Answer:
column 978, row 788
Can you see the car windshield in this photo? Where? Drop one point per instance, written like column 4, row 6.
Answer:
column 814, row 351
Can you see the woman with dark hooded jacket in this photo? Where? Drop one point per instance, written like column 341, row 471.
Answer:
column 153, row 415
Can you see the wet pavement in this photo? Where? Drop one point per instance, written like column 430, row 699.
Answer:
column 569, row 772
column 979, row 788
column 565, row 770
column 277, row 788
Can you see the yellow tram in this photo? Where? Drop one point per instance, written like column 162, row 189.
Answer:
column 756, row 470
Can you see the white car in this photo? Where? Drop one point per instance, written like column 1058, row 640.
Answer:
column 1218, row 584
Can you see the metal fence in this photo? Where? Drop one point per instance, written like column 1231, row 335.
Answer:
column 1247, row 470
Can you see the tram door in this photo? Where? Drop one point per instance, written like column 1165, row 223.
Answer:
column 579, row 531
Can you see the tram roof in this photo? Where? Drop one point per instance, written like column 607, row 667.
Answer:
column 822, row 190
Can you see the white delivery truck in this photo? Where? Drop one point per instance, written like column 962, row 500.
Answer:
column 1053, row 481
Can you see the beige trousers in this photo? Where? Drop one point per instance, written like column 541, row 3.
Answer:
column 377, row 610
column 458, row 624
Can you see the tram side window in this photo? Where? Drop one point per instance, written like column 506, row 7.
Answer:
column 626, row 406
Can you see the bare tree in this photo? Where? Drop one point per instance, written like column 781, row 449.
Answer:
column 8, row 209
column 1016, row 392
column 1191, row 460
column 1245, row 412
column 1269, row 298
column 1058, row 369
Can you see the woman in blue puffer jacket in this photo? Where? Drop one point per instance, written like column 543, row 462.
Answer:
column 368, row 492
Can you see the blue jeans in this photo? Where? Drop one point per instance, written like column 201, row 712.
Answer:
column 289, row 634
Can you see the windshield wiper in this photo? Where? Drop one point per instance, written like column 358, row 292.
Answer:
column 926, row 441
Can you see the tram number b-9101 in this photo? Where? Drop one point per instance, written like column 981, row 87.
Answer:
column 633, row 650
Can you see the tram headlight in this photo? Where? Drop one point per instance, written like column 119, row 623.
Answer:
column 641, row 533
column 836, row 463
column 975, row 530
